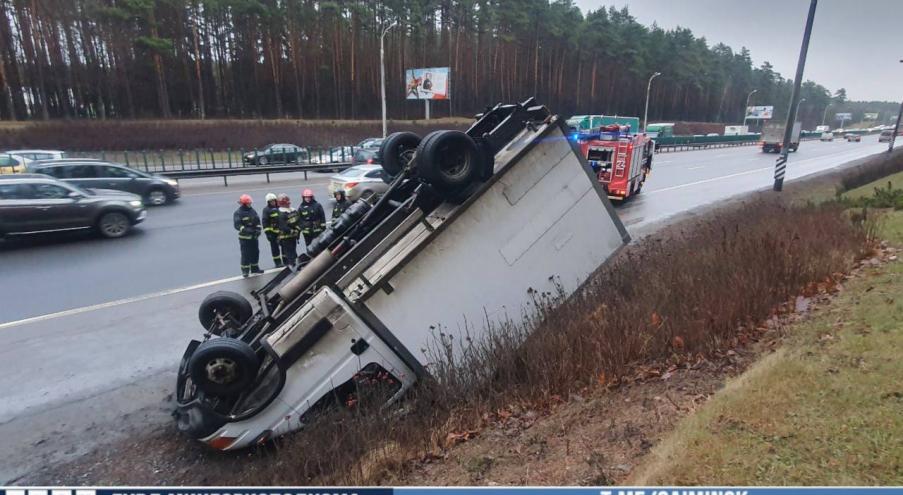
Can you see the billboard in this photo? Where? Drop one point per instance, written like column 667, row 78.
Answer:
column 843, row 116
column 426, row 84
column 762, row 112
column 870, row 116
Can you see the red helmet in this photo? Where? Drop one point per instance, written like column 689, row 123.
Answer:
column 307, row 193
column 245, row 199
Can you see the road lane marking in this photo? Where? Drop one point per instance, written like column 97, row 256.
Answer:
column 317, row 181
column 121, row 302
column 696, row 168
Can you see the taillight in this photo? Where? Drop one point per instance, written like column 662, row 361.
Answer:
column 369, row 160
column 350, row 185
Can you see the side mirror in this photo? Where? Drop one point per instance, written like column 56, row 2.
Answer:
column 76, row 196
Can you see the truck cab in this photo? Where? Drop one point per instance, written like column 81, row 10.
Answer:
column 620, row 158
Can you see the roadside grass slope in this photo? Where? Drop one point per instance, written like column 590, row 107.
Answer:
column 825, row 409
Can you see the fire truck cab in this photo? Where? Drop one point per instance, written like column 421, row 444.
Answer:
column 620, row 158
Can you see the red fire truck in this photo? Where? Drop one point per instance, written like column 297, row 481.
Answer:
column 621, row 159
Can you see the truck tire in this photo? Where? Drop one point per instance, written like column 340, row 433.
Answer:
column 448, row 160
column 223, row 367
column 224, row 303
column 397, row 150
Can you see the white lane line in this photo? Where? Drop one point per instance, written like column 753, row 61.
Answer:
column 239, row 190
column 120, row 302
column 705, row 181
column 696, row 168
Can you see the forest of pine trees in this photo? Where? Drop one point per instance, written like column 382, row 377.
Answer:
column 320, row 59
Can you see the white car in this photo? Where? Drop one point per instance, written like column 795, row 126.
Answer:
column 359, row 181
column 39, row 154
column 826, row 136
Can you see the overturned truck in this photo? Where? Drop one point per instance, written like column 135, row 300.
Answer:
column 472, row 223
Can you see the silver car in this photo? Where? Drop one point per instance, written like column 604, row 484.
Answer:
column 359, row 181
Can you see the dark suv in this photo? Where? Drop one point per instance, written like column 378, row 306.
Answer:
column 35, row 203
column 94, row 174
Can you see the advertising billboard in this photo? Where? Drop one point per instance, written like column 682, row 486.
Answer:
column 426, row 84
column 870, row 116
column 760, row 112
column 843, row 116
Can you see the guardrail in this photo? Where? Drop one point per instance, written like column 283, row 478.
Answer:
column 226, row 172
column 683, row 143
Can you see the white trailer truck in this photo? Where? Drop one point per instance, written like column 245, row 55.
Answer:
column 773, row 137
column 472, row 223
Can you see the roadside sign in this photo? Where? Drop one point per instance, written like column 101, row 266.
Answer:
column 870, row 116
column 760, row 112
column 843, row 116
column 427, row 84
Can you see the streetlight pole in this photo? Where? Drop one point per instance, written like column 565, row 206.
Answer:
column 747, row 104
column 646, row 112
column 890, row 145
column 780, row 165
column 382, row 70
column 797, row 113
column 824, row 115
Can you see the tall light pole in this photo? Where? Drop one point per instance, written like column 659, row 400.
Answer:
column 747, row 104
column 780, row 165
column 890, row 145
column 382, row 70
column 646, row 112
column 797, row 113
column 824, row 115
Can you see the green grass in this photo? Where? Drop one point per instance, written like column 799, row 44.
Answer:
column 896, row 181
column 825, row 409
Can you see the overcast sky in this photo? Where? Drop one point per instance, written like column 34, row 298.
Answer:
column 856, row 44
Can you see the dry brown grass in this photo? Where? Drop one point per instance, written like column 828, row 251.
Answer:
column 670, row 298
column 119, row 135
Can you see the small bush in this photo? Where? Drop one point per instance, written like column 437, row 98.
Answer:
column 883, row 197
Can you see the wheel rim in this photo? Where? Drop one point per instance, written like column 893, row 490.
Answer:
column 263, row 160
column 454, row 162
column 405, row 157
column 222, row 371
column 114, row 224
column 157, row 197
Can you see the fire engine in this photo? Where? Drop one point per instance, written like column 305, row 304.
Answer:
column 620, row 158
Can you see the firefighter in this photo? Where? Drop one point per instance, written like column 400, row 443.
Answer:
column 341, row 204
column 312, row 217
column 270, row 220
column 289, row 231
column 247, row 223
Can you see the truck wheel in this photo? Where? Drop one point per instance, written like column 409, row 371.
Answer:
column 223, row 366
column 448, row 160
column 397, row 151
column 224, row 304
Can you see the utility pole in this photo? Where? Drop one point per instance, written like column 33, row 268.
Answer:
column 382, row 70
column 780, row 165
column 747, row 104
column 890, row 145
column 646, row 112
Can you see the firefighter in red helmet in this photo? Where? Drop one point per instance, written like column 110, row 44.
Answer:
column 313, row 218
column 247, row 223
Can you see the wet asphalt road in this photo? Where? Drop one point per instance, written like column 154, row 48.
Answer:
column 104, row 368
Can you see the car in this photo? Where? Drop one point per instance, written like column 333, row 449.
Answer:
column 367, row 152
column 95, row 174
column 13, row 164
column 359, row 181
column 826, row 136
column 276, row 154
column 886, row 136
column 853, row 137
column 37, row 203
column 39, row 154
column 338, row 154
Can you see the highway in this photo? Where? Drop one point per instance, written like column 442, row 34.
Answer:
column 91, row 330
